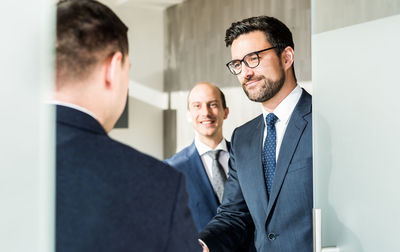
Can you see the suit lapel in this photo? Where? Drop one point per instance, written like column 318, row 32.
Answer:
column 256, row 168
column 290, row 140
column 197, row 171
column 228, row 146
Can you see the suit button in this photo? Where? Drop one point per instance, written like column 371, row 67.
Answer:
column 272, row 236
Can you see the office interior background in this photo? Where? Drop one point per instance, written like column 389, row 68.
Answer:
column 346, row 55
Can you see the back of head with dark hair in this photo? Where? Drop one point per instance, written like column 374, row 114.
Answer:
column 276, row 32
column 88, row 32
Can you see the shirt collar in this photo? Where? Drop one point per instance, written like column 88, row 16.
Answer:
column 202, row 148
column 74, row 106
column 285, row 109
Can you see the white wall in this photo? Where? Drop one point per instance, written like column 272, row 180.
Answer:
column 146, row 41
column 145, row 131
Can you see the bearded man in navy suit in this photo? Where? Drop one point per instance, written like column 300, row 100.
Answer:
column 207, row 111
column 270, row 177
column 110, row 197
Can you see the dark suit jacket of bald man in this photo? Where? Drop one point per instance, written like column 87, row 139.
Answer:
column 202, row 199
column 113, row 198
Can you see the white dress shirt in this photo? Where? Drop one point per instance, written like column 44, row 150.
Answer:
column 283, row 111
column 207, row 160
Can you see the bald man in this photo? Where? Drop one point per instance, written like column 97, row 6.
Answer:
column 205, row 162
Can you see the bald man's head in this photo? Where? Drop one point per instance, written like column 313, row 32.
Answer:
column 207, row 111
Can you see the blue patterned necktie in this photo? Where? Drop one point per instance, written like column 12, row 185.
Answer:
column 269, row 153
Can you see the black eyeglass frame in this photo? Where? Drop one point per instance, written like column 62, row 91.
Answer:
column 243, row 61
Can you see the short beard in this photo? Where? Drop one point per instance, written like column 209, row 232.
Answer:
column 268, row 90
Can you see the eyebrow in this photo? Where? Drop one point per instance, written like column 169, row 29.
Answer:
column 258, row 51
column 205, row 102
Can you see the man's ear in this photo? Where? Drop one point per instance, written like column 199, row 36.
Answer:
column 113, row 67
column 226, row 112
column 287, row 57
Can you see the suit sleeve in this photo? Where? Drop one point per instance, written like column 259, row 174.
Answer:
column 232, row 227
column 182, row 232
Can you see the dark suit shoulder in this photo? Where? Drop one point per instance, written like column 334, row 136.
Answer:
column 109, row 160
column 144, row 164
column 306, row 94
column 251, row 125
column 304, row 107
column 182, row 157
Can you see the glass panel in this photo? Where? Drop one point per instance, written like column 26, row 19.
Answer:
column 27, row 127
column 356, row 135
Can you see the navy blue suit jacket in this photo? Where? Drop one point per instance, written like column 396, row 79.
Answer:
column 112, row 198
column 284, row 222
column 202, row 200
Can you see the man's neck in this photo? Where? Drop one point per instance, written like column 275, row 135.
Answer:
column 286, row 89
column 211, row 142
column 81, row 101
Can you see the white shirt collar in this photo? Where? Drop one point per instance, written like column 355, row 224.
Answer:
column 202, row 148
column 285, row 109
column 74, row 106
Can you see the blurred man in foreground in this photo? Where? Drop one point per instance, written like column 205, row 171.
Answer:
column 110, row 197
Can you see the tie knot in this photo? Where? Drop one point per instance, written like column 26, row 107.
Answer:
column 271, row 119
column 214, row 154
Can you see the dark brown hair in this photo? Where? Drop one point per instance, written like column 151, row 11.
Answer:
column 276, row 32
column 87, row 33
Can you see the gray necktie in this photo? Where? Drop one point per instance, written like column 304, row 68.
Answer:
column 218, row 174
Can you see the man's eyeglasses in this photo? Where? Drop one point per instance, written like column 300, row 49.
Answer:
column 251, row 60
